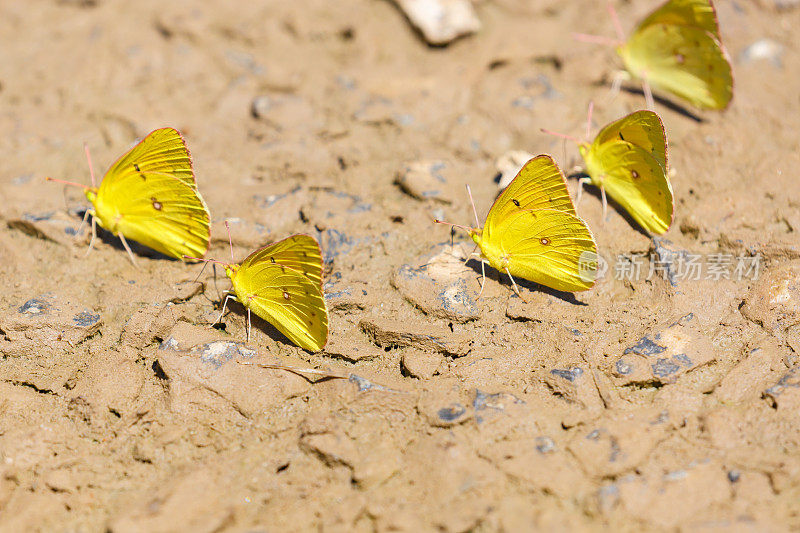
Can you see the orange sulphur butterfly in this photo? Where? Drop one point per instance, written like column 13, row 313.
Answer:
column 678, row 48
column 628, row 161
column 282, row 283
column 150, row 196
column 533, row 232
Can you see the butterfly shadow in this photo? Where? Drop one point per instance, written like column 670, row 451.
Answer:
column 256, row 322
column 677, row 108
column 595, row 191
column 140, row 250
column 532, row 286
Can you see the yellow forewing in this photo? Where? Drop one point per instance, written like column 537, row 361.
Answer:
column 642, row 128
column 538, row 185
column 282, row 283
column 687, row 61
column 532, row 230
column 634, row 179
column 698, row 13
column 150, row 195
column 550, row 247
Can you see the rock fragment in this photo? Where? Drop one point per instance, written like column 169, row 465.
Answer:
column 203, row 369
column 425, row 180
column 443, row 286
column 619, row 443
column 661, row 357
column 785, row 394
column 388, row 333
column 441, row 21
column 774, row 300
column 752, row 374
column 54, row 227
column 763, row 50
column 576, row 385
column 420, row 364
column 509, row 164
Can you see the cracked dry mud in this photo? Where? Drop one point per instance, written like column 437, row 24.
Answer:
column 658, row 402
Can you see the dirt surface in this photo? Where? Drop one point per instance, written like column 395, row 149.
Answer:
column 653, row 401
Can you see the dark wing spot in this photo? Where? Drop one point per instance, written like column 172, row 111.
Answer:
column 136, row 167
column 634, row 174
column 305, row 254
column 313, row 313
column 516, row 202
column 283, row 269
column 272, row 259
column 156, row 204
column 545, row 241
column 286, row 295
column 621, row 137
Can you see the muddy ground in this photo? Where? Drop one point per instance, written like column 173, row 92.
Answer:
column 655, row 400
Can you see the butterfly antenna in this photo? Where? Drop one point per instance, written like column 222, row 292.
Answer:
column 589, row 120
column 474, row 211
column 595, row 39
column 562, row 135
column 204, row 260
column 214, row 270
column 465, row 228
column 65, row 182
column 205, row 264
column 89, row 159
column 230, row 239
column 615, row 21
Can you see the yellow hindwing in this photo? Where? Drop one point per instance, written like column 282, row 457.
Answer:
column 532, row 230
column 150, row 196
column 282, row 283
column 677, row 48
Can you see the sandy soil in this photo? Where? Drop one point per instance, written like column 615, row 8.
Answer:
column 639, row 404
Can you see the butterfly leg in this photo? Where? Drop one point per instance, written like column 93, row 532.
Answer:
column 224, row 305
column 616, row 85
column 248, row 324
column 579, row 194
column 483, row 277
column 605, row 203
column 128, row 249
column 514, row 283
column 648, row 95
column 85, row 218
column 94, row 234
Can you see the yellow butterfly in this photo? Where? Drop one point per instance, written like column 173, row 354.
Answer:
column 628, row 160
column 150, row 196
column 532, row 231
column 282, row 283
column 678, row 48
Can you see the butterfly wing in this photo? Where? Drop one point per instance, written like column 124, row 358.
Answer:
column 282, row 283
column 642, row 128
column 698, row 13
column 550, row 247
column 150, row 195
column 634, row 179
column 538, row 185
column 687, row 61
